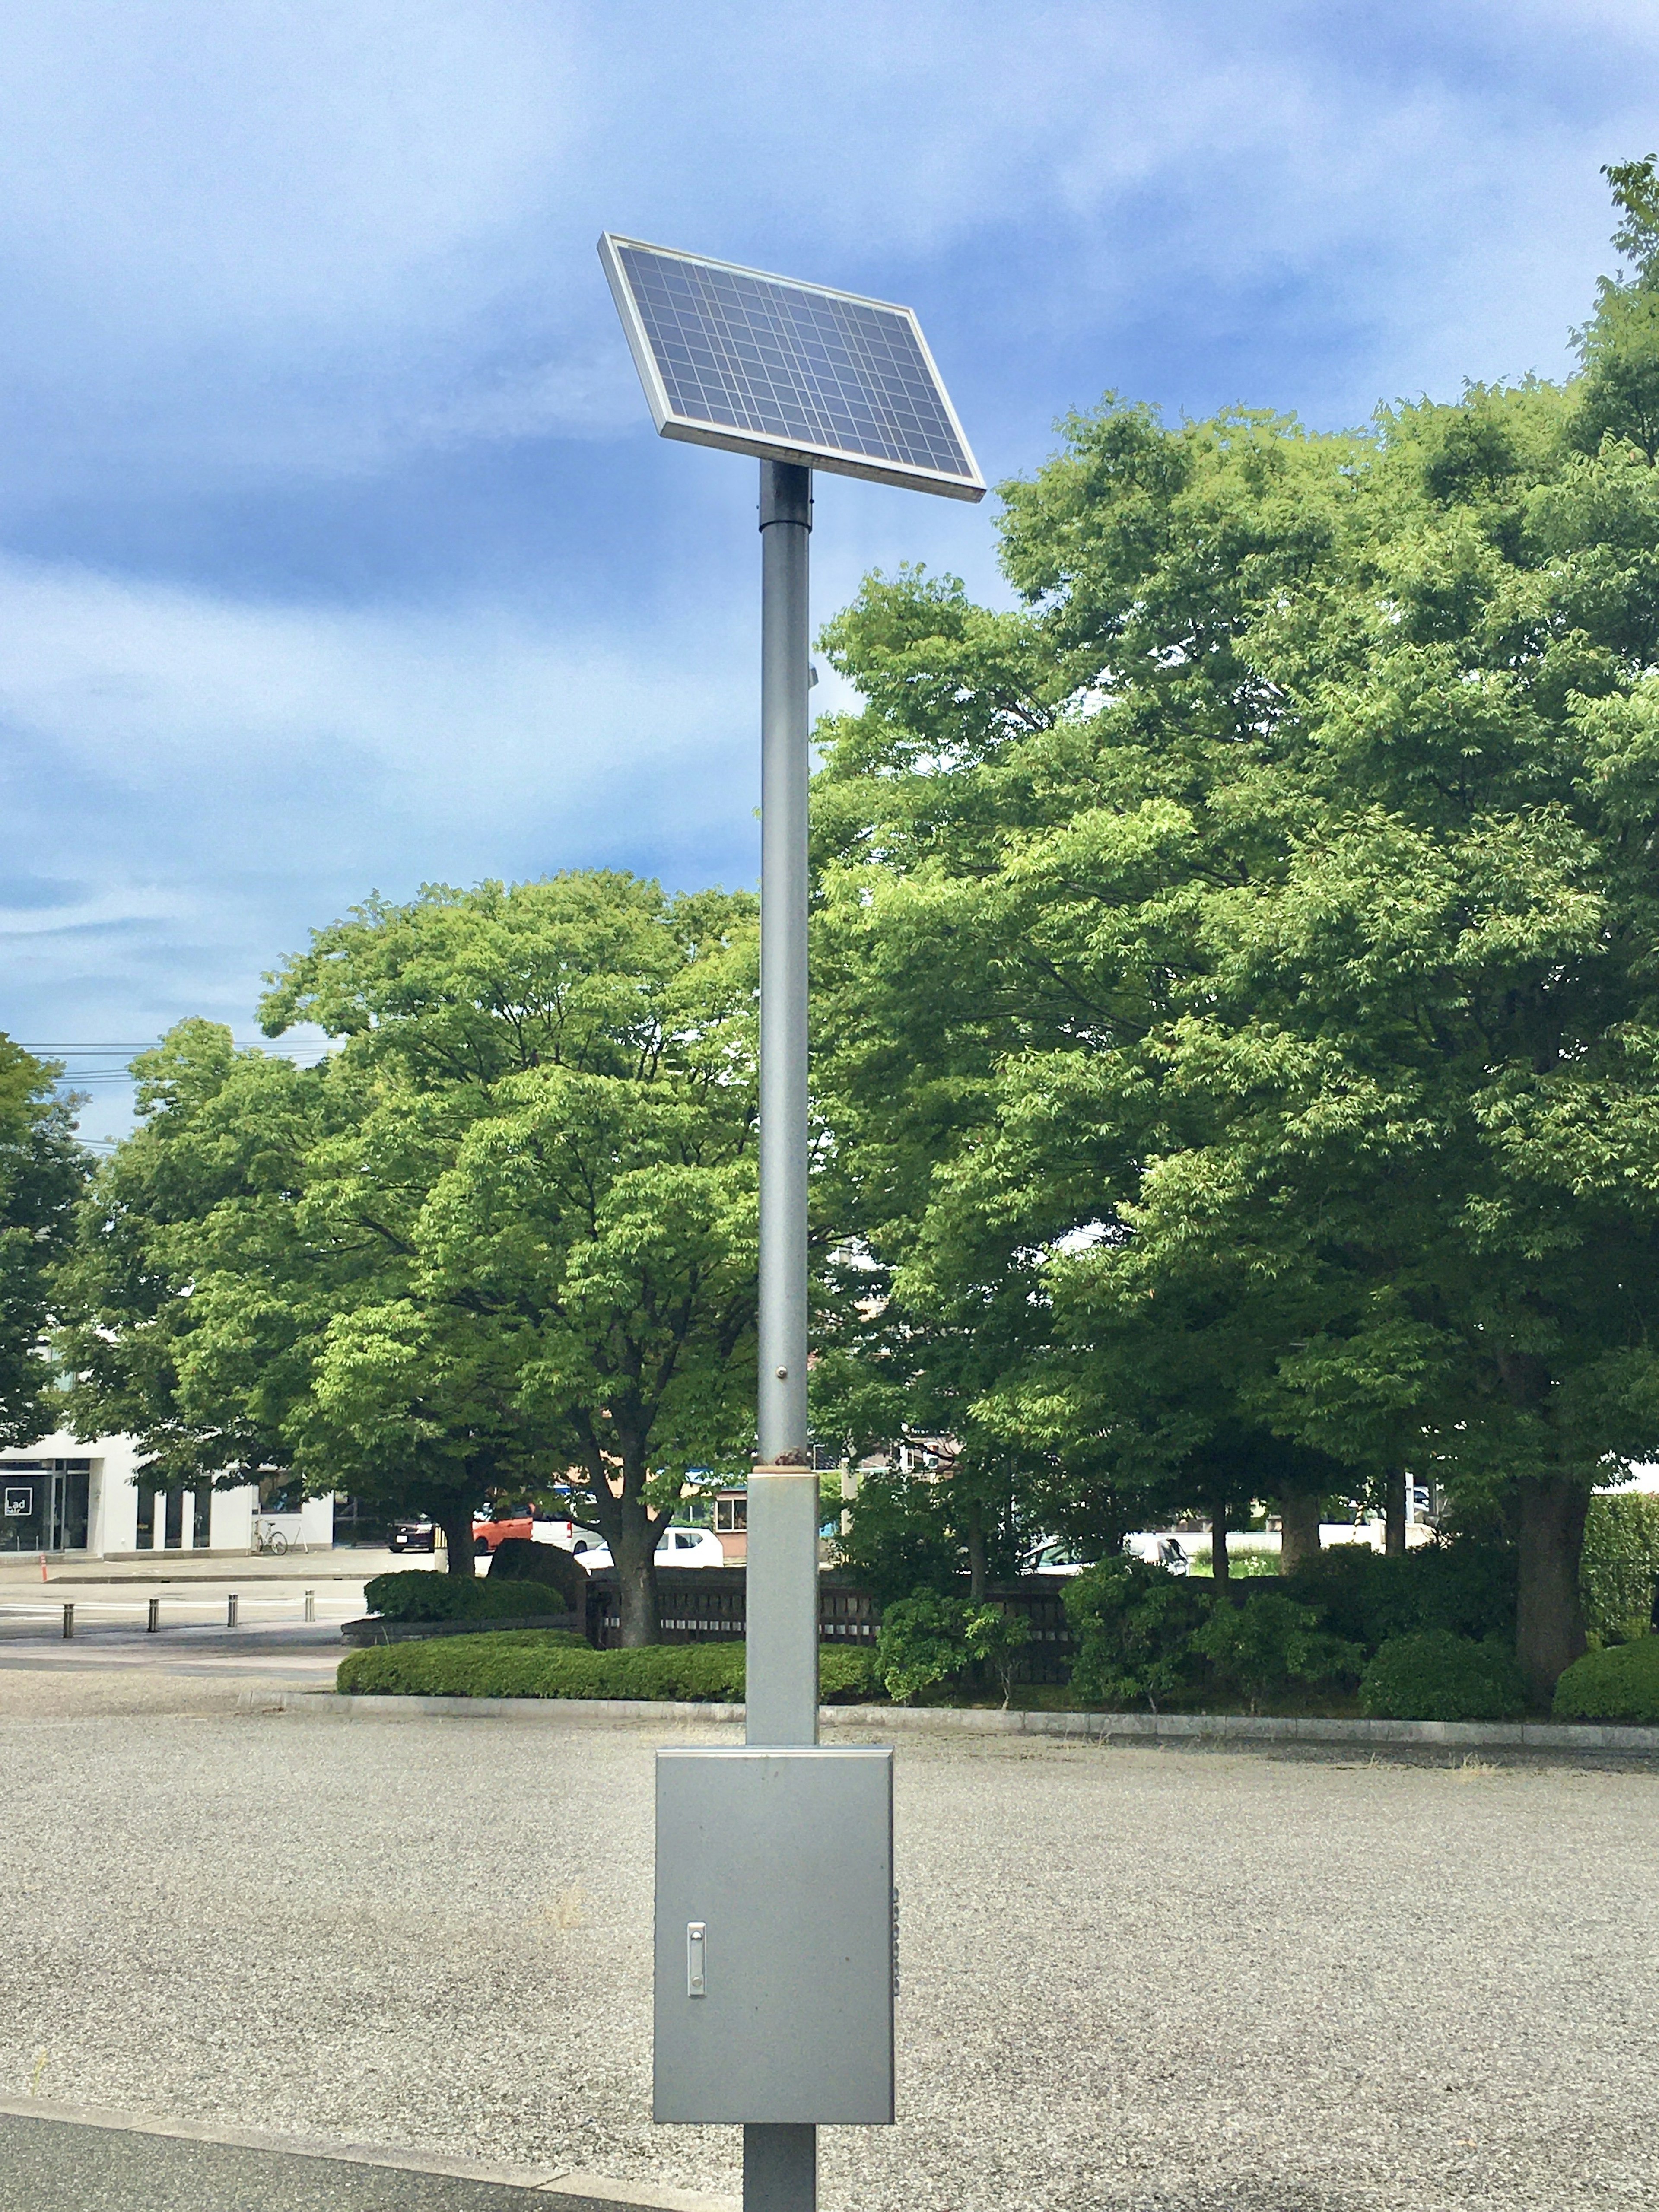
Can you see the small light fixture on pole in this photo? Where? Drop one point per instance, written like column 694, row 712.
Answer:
column 775, row 1919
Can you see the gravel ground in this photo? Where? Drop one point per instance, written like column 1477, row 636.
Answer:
column 1188, row 1981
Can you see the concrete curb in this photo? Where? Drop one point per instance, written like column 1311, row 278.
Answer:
column 559, row 2186
column 1091, row 1728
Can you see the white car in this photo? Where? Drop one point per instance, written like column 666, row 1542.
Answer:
column 569, row 1535
column 1053, row 1555
column 676, row 1547
column 1167, row 1552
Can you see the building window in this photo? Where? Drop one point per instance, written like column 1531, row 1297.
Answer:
column 732, row 1515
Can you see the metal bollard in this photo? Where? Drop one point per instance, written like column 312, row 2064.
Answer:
column 155, row 1621
column 230, row 1610
column 69, row 1621
column 311, row 1605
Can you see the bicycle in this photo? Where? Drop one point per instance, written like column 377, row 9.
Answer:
column 269, row 1538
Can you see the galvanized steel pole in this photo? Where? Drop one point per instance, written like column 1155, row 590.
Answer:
column 780, row 2163
column 786, row 523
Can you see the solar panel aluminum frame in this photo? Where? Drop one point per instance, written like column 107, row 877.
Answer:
column 760, row 443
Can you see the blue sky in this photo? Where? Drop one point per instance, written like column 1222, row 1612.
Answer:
column 336, row 549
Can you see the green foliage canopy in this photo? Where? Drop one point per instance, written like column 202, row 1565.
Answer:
column 42, row 1169
column 1239, row 961
column 503, row 1236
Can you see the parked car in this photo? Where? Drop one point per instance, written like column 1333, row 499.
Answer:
column 414, row 1534
column 676, row 1547
column 1053, row 1555
column 1157, row 1551
column 490, row 1528
column 568, row 1534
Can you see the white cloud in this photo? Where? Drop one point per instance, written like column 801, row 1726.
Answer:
column 262, row 237
column 199, row 781
column 145, row 683
column 248, row 249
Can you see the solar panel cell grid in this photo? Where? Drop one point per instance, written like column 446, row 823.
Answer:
column 749, row 353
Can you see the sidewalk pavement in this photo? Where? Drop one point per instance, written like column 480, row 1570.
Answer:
column 66, row 2158
column 324, row 1563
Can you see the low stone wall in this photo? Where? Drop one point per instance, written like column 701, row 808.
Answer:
column 1598, row 1738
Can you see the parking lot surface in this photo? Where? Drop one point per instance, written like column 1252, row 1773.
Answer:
column 1179, row 1981
column 54, row 2165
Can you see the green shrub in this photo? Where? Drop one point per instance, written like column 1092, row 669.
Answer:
column 544, row 1663
column 927, row 1639
column 1436, row 1676
column 1463, row 1585
column 1263, row 1646
column 849, row 1676
column 415, row 1594
column 1619, row 1685
column 522, row 1559
column 1132, row 1627
column 536, row 1662
column 1620, row 1565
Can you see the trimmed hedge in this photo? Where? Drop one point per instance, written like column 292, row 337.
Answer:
column 536, row 1663
column 1438, row 1676
column 1619, row 1684
column 1462, row 1586
column 1620, row 1565
column 415, row 1594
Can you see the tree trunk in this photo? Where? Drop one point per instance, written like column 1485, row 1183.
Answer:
column 1298, row 1522
column 634, row 1551
column 1220, row 1565
column 977, row 1568
column 1393, row 1513
column 456, row 1521
column 1549, row 1628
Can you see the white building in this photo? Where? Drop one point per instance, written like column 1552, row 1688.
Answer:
column 61, row 1495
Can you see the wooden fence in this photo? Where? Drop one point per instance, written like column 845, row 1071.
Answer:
column 707, row 1605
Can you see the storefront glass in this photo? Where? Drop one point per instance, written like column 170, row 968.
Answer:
column 44, row 1504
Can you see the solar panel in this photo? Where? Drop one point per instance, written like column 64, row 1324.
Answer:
column 792, row 371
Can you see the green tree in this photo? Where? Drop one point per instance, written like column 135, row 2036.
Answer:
column 503, row 1237
column 42, row 1168
column 1241, row 955
column 1618, row 397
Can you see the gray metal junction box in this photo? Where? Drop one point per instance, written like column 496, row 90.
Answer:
column 775, row 1941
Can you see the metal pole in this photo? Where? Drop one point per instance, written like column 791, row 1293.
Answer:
column 69, row 1621
column 780, row 2163
column 231, row 1603
column 311, row 1605
column 155, row 1621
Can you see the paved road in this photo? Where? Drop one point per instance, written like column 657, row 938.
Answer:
column 1174, row 1982
column 193, row 1663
